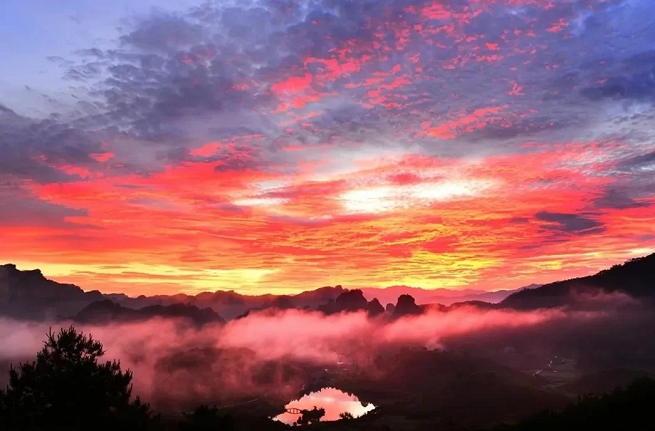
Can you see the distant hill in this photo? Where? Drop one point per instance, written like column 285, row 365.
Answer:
column 29, row 295
column 635, row 277
column 231, row 304
column 437, row 296
column 107, row 311
column 477, row 304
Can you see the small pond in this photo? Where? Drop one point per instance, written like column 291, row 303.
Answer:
column 332, row 400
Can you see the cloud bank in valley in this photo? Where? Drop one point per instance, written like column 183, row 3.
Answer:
column 276, row 353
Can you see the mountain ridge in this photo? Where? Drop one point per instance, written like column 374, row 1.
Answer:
column 107, row 311
column 30, row 295
column 635, row 277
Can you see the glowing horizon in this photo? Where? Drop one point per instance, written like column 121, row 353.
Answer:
column 282, row 147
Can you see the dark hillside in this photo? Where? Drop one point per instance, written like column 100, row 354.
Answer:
column 635, row 277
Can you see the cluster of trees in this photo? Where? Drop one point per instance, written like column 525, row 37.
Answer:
column 68, row 387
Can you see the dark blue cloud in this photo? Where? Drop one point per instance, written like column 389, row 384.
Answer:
column 20, row 208
column 569, row 224
column 177, row 80
column 615, row 198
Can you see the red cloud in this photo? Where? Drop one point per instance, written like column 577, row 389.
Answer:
column 102, row 157
column 475, row 121
column 559, row 26
column 295, row 84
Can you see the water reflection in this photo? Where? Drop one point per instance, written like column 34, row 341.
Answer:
column 332, row 400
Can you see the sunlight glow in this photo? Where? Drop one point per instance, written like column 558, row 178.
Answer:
column 387, row 198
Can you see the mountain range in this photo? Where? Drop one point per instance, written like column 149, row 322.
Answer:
column 29, row 295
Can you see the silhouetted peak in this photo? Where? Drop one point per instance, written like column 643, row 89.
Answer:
column 351, row 300
column 375, row 308
column 405, row 300
column 9, row 267
column 327, row 290
column 35, row 283
column 228, row 297
column 30, row 295
column 314, row 298
column 12, row 270
column 390, row 308
column 34, row 273
column 406, row 305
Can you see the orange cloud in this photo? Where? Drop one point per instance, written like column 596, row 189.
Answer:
column 395, row 221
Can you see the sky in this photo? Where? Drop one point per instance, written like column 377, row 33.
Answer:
column 274, row 146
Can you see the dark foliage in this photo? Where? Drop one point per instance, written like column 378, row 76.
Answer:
column 346, row 416
column 624, row 409
column 309, row 417
column 67, row 388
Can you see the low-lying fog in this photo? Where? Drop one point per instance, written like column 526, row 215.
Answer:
column 177, row 365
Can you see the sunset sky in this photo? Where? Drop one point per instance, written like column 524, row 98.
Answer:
column 274, row 146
